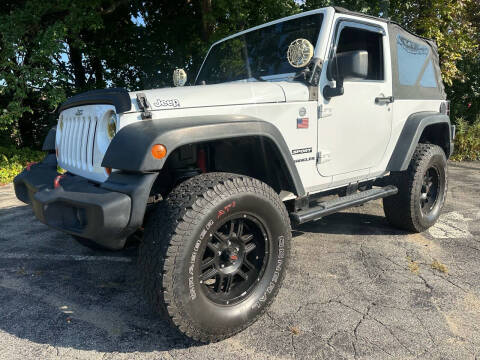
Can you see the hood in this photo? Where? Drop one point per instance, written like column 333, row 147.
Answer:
column 237, row 93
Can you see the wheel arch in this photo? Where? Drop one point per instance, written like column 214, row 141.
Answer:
column 130, row 149
column 428, row 127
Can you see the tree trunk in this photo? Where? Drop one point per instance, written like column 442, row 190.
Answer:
column 77, row 64
column 206, row 6
column 97, row 68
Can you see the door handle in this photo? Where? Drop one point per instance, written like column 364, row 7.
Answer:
column 382, row 100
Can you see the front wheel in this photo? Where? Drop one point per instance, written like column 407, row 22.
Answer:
column 215, row 253
column 422, row 190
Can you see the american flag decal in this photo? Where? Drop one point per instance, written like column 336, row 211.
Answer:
column 302, row 123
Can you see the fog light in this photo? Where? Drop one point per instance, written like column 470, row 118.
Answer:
column 112, row 126
column 159, row 151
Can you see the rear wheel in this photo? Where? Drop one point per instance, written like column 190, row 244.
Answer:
column 422, row 190
column 214, row 254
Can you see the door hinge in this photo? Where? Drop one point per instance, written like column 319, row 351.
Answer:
column 144, row 105
column 323, row 156
column 324, row 111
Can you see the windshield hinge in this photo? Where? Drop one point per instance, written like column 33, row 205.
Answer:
column 144, row 105
column 323, row 156
column 311, row 73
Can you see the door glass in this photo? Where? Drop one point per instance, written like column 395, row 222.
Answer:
column 354, row 39
column 428, row 78
column 412, row 58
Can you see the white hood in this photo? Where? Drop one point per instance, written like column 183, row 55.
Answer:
column 236, row 93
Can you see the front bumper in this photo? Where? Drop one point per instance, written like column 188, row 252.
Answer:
column 105, row 213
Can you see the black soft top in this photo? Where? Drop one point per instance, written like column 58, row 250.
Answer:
column 407, row 47
column 342, row 10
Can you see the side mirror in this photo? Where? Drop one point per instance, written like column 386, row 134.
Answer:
column 351, row 64
column 346, row 65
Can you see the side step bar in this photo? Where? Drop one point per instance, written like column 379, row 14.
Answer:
column 329, row 207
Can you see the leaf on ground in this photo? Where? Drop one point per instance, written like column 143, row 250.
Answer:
column 413, row 265
column 295, row 330
column 437, row 265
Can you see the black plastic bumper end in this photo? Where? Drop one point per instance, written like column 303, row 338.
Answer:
column 104, row 213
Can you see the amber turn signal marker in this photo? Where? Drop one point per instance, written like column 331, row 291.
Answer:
column 159, row 151
column 108, row 170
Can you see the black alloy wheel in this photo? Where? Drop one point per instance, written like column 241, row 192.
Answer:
column 215, row 253
column 422, row 190
column 429, row 190
column 234, row 259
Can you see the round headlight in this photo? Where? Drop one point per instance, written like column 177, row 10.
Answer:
column 112, row 126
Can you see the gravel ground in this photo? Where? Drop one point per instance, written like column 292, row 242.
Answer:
column 356, row 289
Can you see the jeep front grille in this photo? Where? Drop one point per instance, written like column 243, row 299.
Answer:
column 77, row 141
column 82, row 140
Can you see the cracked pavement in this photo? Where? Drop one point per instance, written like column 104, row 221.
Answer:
column 356, row 289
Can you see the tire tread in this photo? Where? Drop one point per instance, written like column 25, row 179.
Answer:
column 167, row 229
column 399, row 209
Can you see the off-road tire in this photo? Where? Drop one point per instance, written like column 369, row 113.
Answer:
column 179, row 228
column 404, row 210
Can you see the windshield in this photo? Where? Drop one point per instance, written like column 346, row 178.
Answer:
column 259, row 53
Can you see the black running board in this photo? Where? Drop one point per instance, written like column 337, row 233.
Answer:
column 329, row 207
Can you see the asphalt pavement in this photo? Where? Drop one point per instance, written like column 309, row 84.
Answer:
column 356, row 289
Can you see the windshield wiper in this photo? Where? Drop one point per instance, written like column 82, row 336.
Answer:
column 258, row 77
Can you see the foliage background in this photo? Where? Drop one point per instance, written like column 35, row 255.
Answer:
column 52, row 49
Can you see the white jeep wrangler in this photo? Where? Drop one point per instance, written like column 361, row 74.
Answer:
column 326, row 102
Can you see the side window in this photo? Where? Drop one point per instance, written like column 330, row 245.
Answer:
column 414, row 61
column 354, row 39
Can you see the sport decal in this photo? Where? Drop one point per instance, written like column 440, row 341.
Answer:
column 301, row 151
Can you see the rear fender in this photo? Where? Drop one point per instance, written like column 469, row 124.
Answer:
column 416, row 126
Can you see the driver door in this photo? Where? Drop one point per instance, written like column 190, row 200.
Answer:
column 354, row 128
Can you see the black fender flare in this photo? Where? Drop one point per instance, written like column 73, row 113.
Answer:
column 117, row 97
column 410, row 136
column 49, row 142
column 130, row 149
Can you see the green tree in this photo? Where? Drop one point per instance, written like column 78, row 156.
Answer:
column 448, row 22
column 50, row 50
column 465, row 90
column 179, row 34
